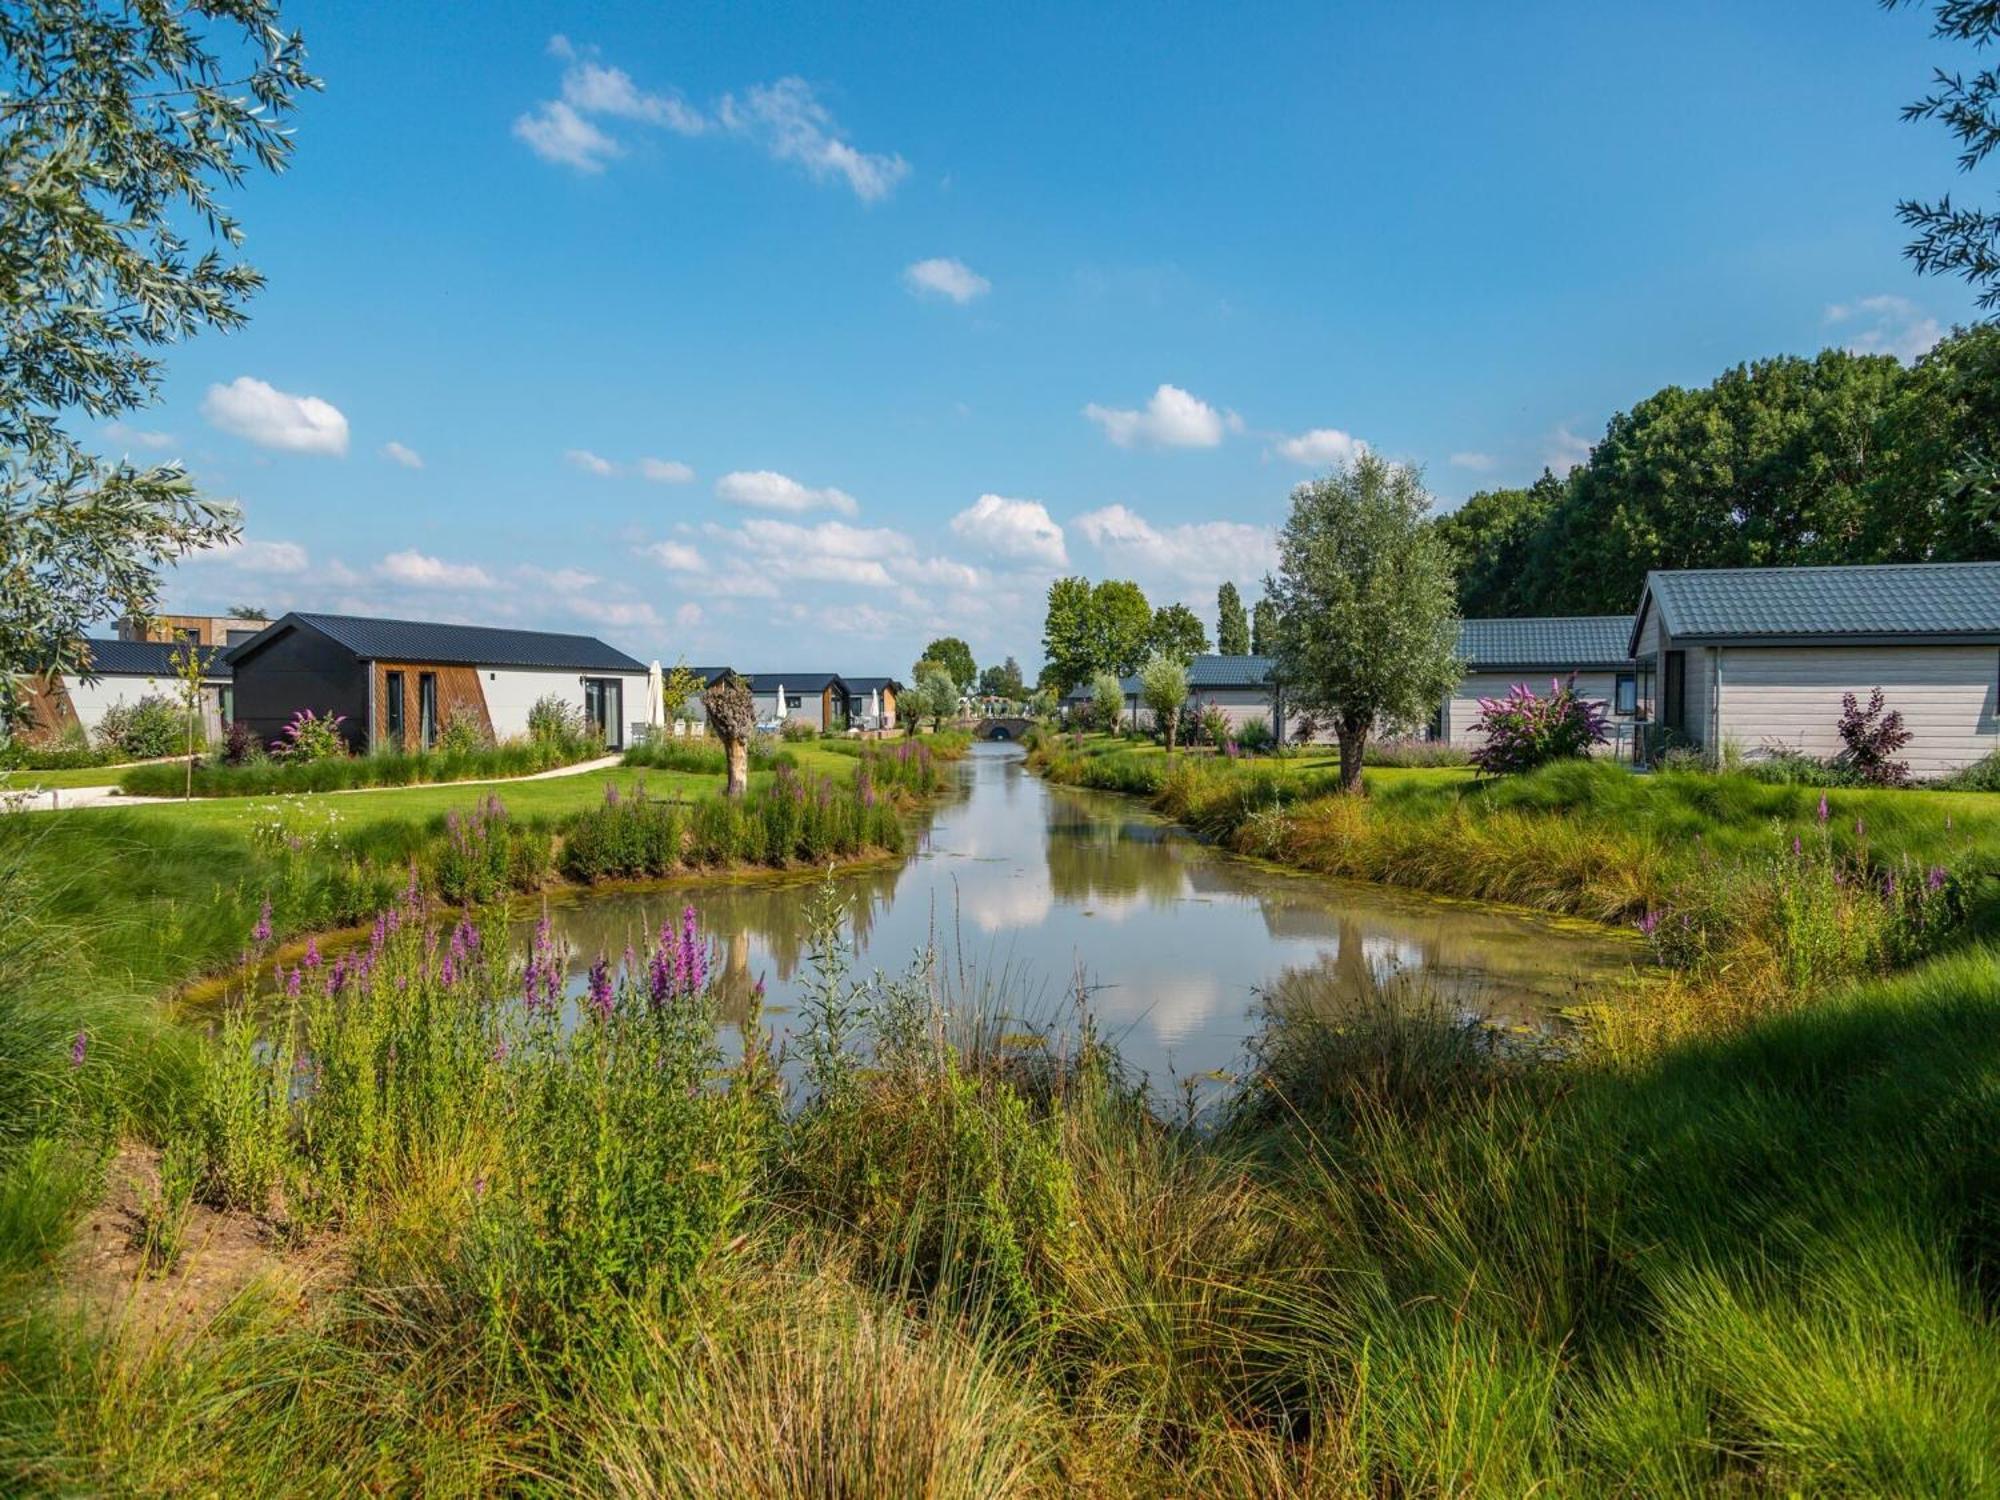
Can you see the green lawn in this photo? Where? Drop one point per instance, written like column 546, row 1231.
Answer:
column 15, row 781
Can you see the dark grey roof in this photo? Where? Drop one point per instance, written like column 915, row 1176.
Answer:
column 1884, row 602
column 765, row 682
column 870, row 684
column 1229, row 672
column 150, row 659
column 1563, row 643
column 458, row 645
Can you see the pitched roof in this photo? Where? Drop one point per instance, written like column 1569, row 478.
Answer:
column 150, row 659
column 1563, row 643
column 458, row 645
column 766, row 682
column 1882, row 602
column 1210, row 671
column 870, row 684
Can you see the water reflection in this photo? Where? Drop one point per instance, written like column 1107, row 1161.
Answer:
column 1176, row 941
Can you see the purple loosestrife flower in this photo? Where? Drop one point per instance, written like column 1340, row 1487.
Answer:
column 312, row 959
column 1648, row 922
column 262, row 931
column 1797, row 847
column 500, row 1050
column 77, row 1049
column 293, row 983
column 1824, row 811
column 600, row 987
column 1936, row 879
column 447, row 972
column 697, row 951
column 531, row 985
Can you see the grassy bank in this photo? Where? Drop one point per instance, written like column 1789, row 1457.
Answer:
column 341, row 773
column 513, row 1247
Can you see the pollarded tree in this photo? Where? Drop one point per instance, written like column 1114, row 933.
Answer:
column 1163, row 686
column 1366, row 598
column 732, row 716
column 121, row 126
column 1107, row 701
column 934, row 695
column 1232, row 625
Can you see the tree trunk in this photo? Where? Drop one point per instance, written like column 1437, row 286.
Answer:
column 1353, row 738
column 1173, row 723
column 739, row 768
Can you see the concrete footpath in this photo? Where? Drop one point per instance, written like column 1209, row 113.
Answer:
column 62, row 799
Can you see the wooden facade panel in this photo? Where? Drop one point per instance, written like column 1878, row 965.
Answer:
column 51, row 715
column 459, row 693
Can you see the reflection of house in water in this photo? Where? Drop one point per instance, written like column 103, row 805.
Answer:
column 1092, row 859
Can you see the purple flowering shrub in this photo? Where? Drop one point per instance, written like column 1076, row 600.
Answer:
column 485, row 855
column 1871, row 735
column 1522, row 730
column 309, row 737
column 603, row 1144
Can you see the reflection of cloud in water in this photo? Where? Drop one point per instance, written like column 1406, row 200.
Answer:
column 1169, row 1007
column 1004, row 902
column 1388, row 955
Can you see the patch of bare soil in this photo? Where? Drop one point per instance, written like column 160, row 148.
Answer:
column 222, row 1254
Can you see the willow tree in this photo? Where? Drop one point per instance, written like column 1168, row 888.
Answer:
column 1366, row 605
column 732, row 714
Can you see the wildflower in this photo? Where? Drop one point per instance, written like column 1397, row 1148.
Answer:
column 447, row 972
column 479, row 1186
column 1648, row 922
column 600, row 987
column 1824, row 811
column 312, row 953
column 1797, row 847
column 293, row 982
column 262, row 931
column 1936, row 879
column 500, row 1050
column 77, row 1048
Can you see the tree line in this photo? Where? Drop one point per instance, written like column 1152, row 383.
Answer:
column 1110, row 626
column 1838, row 458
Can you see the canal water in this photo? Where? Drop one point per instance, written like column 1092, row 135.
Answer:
column 1029, row 892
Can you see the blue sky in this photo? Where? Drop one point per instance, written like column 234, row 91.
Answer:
column 792, row 338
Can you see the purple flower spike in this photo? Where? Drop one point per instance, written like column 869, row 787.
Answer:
column 600, row 987
column 312, row 953
column 262, row 931
column 447, row 972
column 1824, row 812
column 1648, row 922
column 1797, row 847
column 293, row 983
column 78, row 1048
column 1937, row 878
column 500, row 1050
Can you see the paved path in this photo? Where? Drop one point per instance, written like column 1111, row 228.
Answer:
column 65, row 798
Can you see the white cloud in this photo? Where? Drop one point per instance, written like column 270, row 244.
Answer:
column 1564, row 450
column 761, row 489
column 1173, row 418
column 1020, row 530
column 937, row 570
column 665, row 471
column 556, row 132
column 245, row 556
column 419, row 570
column 625, row 614
column 138, row 437
column 788, row 120
column 271, row 418
column 593, row 89
column 409, row 458
column 1479, row 463
column 1323, row 447
column 1200, row 552
column 944, row 277
column 830, row 552
column 590, row 463
column 1887, row 325
column 676, row 557
column 688, row 615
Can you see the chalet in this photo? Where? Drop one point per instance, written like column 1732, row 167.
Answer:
column 1758, row 658
column 871, row 702
column 1538, row 652
column 818, row 699
column 200, row 630
column 123, row 672
column 397, row 683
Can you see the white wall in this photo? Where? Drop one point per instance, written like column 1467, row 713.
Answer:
column 1461, row 720
column 91, row 699
column 1790, row 696
column 512, row 691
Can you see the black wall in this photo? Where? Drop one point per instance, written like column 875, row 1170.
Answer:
column 301, row 669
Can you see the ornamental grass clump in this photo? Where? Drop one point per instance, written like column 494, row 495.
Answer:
column 1523, row 731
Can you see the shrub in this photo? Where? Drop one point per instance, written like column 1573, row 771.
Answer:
column 1408, row 752
column 1522, row 731
column 71, row 752
column 553, row 719
column 1872, row 736
column 240, row 745
column 1982, row 775
column 1213, row 727
column 147, row 730
column 462, row 734
column 1781, row 765
column 1254, row 735
column 310, row 737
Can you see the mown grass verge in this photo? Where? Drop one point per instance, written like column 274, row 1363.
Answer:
column 276, row 778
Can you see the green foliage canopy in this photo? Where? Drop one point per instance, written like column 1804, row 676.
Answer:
column 1177, row 631
column 951, row 653
column 1232, row 624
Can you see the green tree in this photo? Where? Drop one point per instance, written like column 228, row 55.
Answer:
column 1163, row 686
column 956, row 658
column 1177, row 631
column 1263, row 628
column 1107, row 700
column 1365, row 592
column 1936, row 494
column 1492, row 537
column 1953, row 240
column 1121, row 622
column 121, row 126
column 186, row 662
column 1004, row 681
column 1232, row 625
column 1067, row 642
column 247, row 612
column 934, row 695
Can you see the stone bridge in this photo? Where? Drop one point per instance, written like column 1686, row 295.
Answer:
column 1000, row 729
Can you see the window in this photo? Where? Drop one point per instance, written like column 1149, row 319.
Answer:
column 604, row 708
column 237, row 637
column 1625, row 696
column 1673, row 691
column 187, row 634
column 793, row 700
column 427, row 708
column 393, row 708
